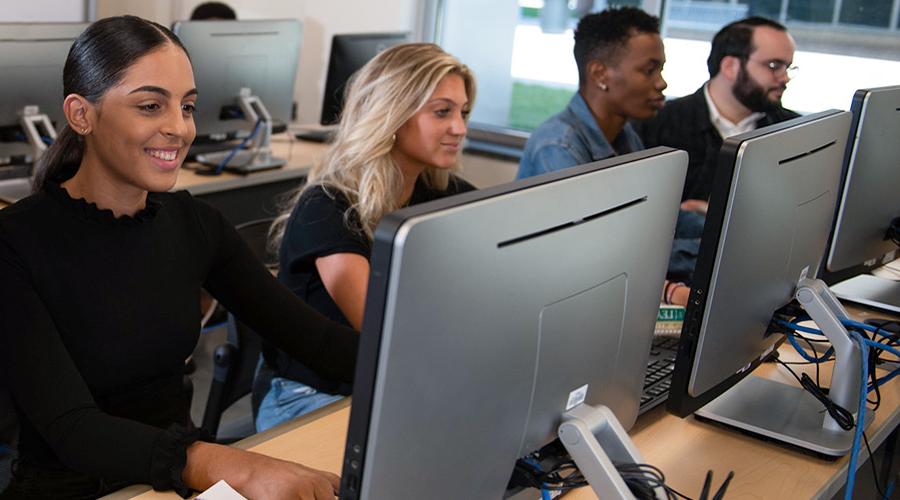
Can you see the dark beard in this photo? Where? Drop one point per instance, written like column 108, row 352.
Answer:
column 752, row 95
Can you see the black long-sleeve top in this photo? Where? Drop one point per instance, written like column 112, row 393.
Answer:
column 98, row 313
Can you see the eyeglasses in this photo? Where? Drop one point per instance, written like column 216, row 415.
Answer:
column 779, row 68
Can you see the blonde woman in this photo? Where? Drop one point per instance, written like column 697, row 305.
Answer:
column 398, row 143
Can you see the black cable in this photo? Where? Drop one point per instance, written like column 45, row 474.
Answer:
column 873, row 361
column 874, row 472
column 893, row 232
column 815, row 355
column 841, row 415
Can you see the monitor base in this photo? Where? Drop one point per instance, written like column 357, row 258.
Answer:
column 780, row 412
column 872, row 291
column 244, row 161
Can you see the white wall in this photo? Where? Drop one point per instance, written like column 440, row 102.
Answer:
column 14, row 11
column 321, row 19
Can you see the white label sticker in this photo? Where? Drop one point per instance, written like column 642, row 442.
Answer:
column 577, row 397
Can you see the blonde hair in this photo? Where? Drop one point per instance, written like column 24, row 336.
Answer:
column 380, row 98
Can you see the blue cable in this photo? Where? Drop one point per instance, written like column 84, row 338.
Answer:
column 890, row 489
column 860, row 415
column 221, row 166
column 799, row 328
column 798, row 348
column 869, row 328
column 545, row 493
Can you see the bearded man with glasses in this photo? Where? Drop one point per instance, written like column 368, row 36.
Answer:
column 750, row 64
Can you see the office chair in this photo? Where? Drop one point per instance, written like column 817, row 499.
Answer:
column 234, row 362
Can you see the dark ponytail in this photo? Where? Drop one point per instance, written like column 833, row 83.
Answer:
column 97, row 62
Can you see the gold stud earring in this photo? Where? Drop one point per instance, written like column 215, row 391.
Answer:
column 393, row 138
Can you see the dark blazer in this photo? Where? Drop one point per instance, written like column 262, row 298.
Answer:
column 684, row 124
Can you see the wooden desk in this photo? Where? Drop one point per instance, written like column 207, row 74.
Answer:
column 248, row 197
column 683, row 448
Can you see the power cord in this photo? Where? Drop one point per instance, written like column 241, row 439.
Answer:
column 642, row 480
column 893, row 232
column 218, row 169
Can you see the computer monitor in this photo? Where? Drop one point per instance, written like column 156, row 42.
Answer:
column 769, row 218
column 32, row 57
column 491, row 314
column 245, row 72
column 868, row 203
column 349, row 53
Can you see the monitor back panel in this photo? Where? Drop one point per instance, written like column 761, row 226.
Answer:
column 497, row 309
column 870, row 199
column 349, row 53
column 230, row 55
column 32, row 57
column 757, row 244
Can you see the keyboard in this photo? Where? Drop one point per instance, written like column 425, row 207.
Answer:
column 658, row 377
column 325, row 135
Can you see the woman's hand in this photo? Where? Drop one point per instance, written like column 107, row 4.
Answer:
column 256, row 476
column 279, row 479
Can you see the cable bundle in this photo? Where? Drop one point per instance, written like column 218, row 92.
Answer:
column 871, row 351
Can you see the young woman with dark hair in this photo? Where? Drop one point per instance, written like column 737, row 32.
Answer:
column 101, row 271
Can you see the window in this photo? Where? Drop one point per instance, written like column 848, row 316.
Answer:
column 521, row 51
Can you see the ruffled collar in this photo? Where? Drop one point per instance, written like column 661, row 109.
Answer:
column 91, row 211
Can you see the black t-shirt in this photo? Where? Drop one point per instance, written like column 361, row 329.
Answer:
column 98, row 313
column 317, row 228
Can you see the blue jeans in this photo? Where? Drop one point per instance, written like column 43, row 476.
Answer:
column 288, row 399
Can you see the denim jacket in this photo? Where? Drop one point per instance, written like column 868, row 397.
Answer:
column 572, row 138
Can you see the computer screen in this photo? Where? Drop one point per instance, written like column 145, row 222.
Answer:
column 348, row 54
column 490, row 314
column 769, row 218
column 32, row 57
column 261, row 55
column 868, row 202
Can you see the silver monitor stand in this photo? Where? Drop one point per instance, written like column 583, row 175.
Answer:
column 36, row 125
column 788, row 413
column 259, row 155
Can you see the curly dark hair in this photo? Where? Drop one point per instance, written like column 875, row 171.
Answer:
column 736, row 39
column 603, row 35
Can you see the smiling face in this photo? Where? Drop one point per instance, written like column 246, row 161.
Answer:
column 433, row 137
column 140, row 130
column 635, row 84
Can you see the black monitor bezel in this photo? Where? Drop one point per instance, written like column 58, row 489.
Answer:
column 333, row 94
column 680, row 402
column 831, row 277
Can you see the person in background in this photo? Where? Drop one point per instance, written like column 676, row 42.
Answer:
column 750, row 64
column 620, row 57
column 213, row 10
column 102, row 268
column 398, row 144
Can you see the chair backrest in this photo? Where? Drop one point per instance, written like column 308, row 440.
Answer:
column 256, row 234
column 234, row 362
